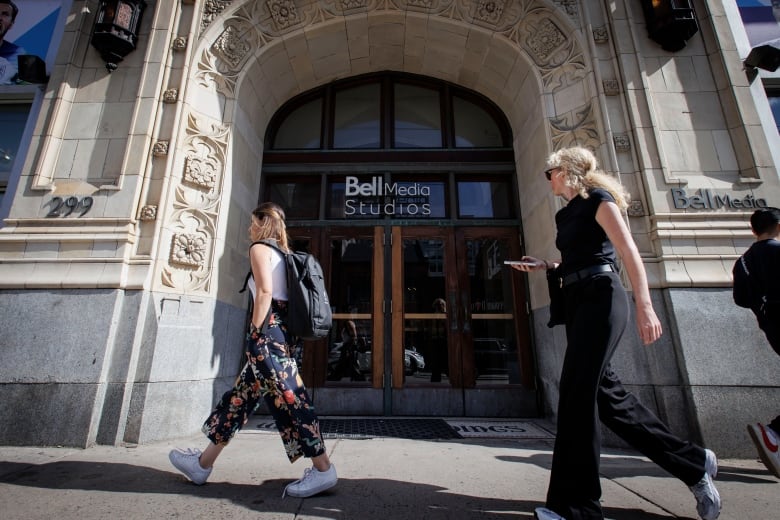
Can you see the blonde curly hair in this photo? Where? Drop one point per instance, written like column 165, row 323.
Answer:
column 582, row 173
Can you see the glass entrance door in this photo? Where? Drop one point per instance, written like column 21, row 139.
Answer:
column 460, row 334
column 427, row 321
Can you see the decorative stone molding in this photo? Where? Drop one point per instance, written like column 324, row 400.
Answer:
column 201, row 172
column 188, row 250
column 348, row 5
column 636, row 209
column 611, row 87
column 211, row 10
column 231, row 47
column 622, row 142
column 489, row 11
column 601, row 34
column 545, row 40
column 171, row 95
column 575, row 129
column 148, row 213
column 179, row 43
column 284, row 13
column 160, row 148
column 570, row 7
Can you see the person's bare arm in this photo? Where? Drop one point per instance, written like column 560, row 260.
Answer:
column 260, row 259
column 609, row 218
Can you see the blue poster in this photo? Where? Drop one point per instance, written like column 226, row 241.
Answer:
column 762, row 21
column 26, row 28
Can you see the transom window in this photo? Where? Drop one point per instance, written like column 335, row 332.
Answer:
column 388, row 111
column 390, row 146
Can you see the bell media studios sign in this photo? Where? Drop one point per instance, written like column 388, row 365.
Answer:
column 705, row 199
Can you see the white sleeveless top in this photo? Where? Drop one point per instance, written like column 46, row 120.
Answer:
column 278, row 278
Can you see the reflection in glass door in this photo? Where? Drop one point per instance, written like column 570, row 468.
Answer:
column 351, row 342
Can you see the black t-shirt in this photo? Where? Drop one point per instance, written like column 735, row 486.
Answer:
column 581, row 240
column 763, row 263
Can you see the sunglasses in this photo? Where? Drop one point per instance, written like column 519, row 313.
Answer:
column 548, row 173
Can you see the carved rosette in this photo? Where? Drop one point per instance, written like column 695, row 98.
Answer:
column 622, row 142
column 601, row 34
column 179, row 43
column 148, row 213
column 160, row 148
column 611, row 87
column 636, row 209
column 188, row 249
column 171, row 95
column 489, row 11
column 284, row 13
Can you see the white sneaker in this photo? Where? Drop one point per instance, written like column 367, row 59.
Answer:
column 542, row 513
column 188, row 462
column 766, row 441
column 707, row 497
column 312, row 482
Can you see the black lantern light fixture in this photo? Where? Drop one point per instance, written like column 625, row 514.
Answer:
column 115, row 34
column 670, row 22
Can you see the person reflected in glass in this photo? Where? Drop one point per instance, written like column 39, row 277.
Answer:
column 351, row 346
column 591, row 234
column 438, row 342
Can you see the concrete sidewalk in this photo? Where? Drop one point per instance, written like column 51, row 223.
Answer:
column 385, row 478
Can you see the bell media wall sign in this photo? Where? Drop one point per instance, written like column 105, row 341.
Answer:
column 377, row 197
column 705, row 199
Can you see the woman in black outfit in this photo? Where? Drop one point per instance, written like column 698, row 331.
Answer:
column 591, row 231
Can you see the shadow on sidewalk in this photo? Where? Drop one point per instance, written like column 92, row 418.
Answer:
column 388, row 499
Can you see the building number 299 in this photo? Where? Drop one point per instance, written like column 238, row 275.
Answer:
column 62, row 207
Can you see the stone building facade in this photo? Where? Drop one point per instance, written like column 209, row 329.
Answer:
column 121, row 320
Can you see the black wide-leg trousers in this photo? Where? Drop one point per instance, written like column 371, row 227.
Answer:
column 597, row 314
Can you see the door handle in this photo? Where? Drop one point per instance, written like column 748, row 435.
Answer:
column 453, row 311
column 466, row 314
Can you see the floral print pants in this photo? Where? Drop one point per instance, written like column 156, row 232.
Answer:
column 270, row 373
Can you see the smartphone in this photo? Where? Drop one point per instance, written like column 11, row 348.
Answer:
column 519, row 262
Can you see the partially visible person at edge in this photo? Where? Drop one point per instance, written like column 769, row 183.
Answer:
column 9, row 52
column 269, row 373
column 590, row 231
column 757, row 287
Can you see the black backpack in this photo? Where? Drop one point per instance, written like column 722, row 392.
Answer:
column 309, row 315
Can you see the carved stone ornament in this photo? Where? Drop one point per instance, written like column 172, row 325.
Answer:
column 622, row 142
column 611, row 87
column 231, row 47
column 284, row 13
column 601, row 34
column 171, row 95
column 348, row 5
column 148, row 213
column 160, row 148
column 188, row 249
column 201, row 172
column 179, row 43
column 489, row 11
column 636, row 209
column 545, row 40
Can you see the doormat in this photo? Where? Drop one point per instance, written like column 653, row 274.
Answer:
column 368, row 428
column 428, row 428
column 498, row 429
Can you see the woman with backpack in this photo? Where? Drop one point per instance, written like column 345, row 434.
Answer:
column 270, row 373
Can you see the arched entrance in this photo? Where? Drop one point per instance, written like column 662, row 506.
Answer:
column 404, row 188
column 527, row 63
